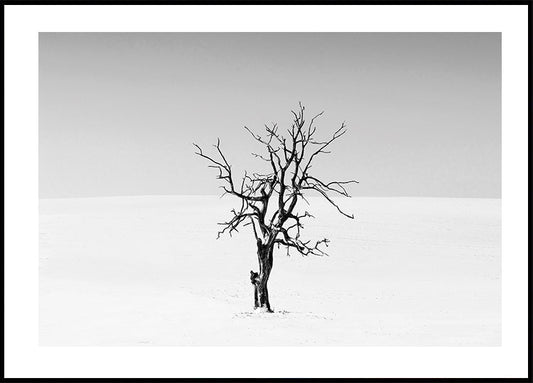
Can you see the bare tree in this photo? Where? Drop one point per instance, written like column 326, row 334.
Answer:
column 268, row 200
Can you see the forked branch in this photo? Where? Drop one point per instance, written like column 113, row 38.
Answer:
column 290, row 157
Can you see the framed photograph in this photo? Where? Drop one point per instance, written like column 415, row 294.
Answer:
column 266, row 191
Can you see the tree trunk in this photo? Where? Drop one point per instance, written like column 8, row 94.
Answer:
column 265, row 258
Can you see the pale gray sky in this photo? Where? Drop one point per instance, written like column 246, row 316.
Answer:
column 119, row 111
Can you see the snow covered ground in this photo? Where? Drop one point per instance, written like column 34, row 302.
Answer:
column 148, row 271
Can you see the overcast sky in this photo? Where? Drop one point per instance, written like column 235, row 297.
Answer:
column 119, row 112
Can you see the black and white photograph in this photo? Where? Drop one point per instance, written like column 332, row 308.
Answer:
column 244, row 191
column 270, row 189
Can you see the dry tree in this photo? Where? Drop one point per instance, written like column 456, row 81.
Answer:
column 268, row 200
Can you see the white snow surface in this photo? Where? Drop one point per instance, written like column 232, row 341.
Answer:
column 149, row 271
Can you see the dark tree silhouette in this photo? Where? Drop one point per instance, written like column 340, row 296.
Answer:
column 268, row 201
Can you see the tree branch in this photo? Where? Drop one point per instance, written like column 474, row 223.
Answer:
column 290, row 159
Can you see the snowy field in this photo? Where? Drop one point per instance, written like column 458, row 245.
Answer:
column 148, row 271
